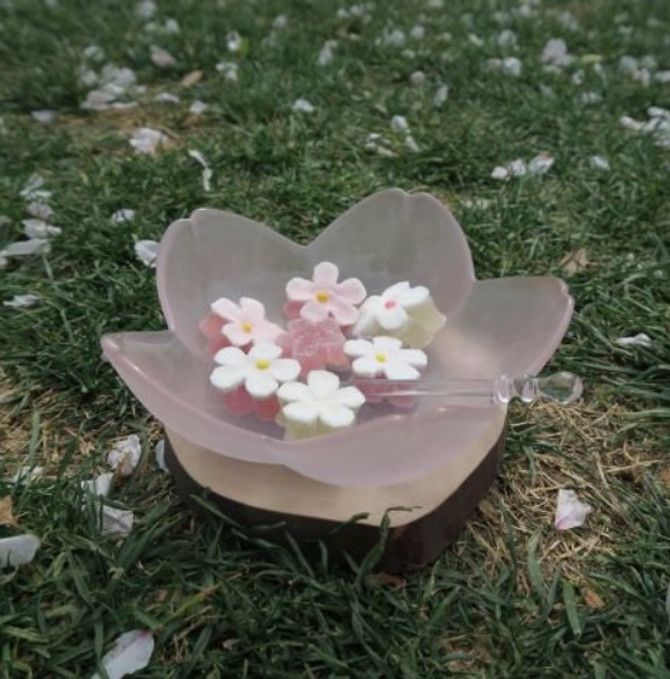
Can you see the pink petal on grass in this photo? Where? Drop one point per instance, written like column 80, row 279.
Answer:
column 131, row 652
column 570, row 512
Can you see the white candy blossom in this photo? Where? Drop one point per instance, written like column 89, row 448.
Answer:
column 318, row 407
column 401, row 311
column 260, row 371
column 384, row 357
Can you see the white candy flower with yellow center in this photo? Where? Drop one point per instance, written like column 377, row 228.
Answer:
column 318, row 407
column 401, row 311
column 385, row 357
column 261, row 371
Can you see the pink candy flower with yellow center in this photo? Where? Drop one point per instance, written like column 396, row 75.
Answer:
column 323, row 296
column 241, row 324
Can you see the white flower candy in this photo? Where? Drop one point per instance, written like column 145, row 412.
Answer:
column 403, row 312
column 260, row 371
column 318, row 407
column 385, row 357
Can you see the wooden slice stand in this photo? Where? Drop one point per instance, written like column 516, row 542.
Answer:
column 434, row 508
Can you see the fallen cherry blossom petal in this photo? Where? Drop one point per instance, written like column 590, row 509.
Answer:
column 197, row 107
column 159, row 452
column 207, row 170
column 145, row 9
column 441, row 96
column 147, row 251
column 540, row 164
column 18, row 550
column 33, row 189
column 116, row 521
column 162, row 58
column 123, row 215
column 45, row 116
column 167, row 98
column 100, row 485
column 36, row 228
column 326, row 53
column 417, row 78
column 125, row 455
column 639, row 340
column 40, row 210
column 234, row 41
column 600, row 163
column 26, row 475
column 302, row 106
column 555, row 53
column 147, row 140
column 570, row 512
column 400, row 124
column 22, row 301
column 131, row 652
column 26, row 248
column 229, row 70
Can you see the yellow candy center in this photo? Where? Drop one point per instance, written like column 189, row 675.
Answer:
column 380, row 358
column 247, row 327
column 262, row 364
column 322, row 296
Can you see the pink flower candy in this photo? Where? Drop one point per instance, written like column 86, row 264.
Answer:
column 316, row 346
column 324, row 297
column 240, row 325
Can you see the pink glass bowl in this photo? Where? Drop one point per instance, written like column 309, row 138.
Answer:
column 507, row 325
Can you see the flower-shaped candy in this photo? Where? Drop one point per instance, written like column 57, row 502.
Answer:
column 260, row 371
column 238, row 324
column 323, row 296
column 401, row 311
column 318, row 407
column 385, row 359
column 314, row 345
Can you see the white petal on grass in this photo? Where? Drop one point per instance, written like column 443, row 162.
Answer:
column 589, row 98
column 417, row 78
column 123, row 215
column 400, row 124
column 159, row 452
column 392, row 38
column 411, row 144
column 161, row 58
column 234, row 41
column 540, row 164
column 326, row 53
column 27, row 248
column 100, row 485
column 36, row 228
column 147, row 251
column 22, row 301
column 441, row 95
column 44, row 116
column 639, row 340
column 206, row 171
column 509, row 66
column 662, row 77
column 600, row 163
column 94, row 53
column 33, row 188
column 40, row 210
column 229, row 69
column 507, row 38
column 147, row 140
column 302, row 106
column 418, row 32
column 570, row 512
column 125, row 455
column 197, row 107
column 145, row 9
column 555, row 53
column 167, row 98
column 116, row 521
column 18, row 550
column 631, row 124
column 131, row 652
column 4, row 219
column 280, row 21
column 25, row 475
column 500, row 173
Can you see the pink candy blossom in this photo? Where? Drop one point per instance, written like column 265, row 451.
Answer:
column 316, row 346
column 239, row 325
column 323, row 296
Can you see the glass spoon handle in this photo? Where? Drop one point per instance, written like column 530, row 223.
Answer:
column 561, row 387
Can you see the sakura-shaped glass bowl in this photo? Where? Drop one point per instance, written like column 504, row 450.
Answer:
column 508, row 326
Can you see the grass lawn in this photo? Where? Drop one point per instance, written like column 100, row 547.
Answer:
column 513, row 597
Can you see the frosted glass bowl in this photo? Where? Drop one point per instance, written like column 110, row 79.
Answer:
column 507, row 325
